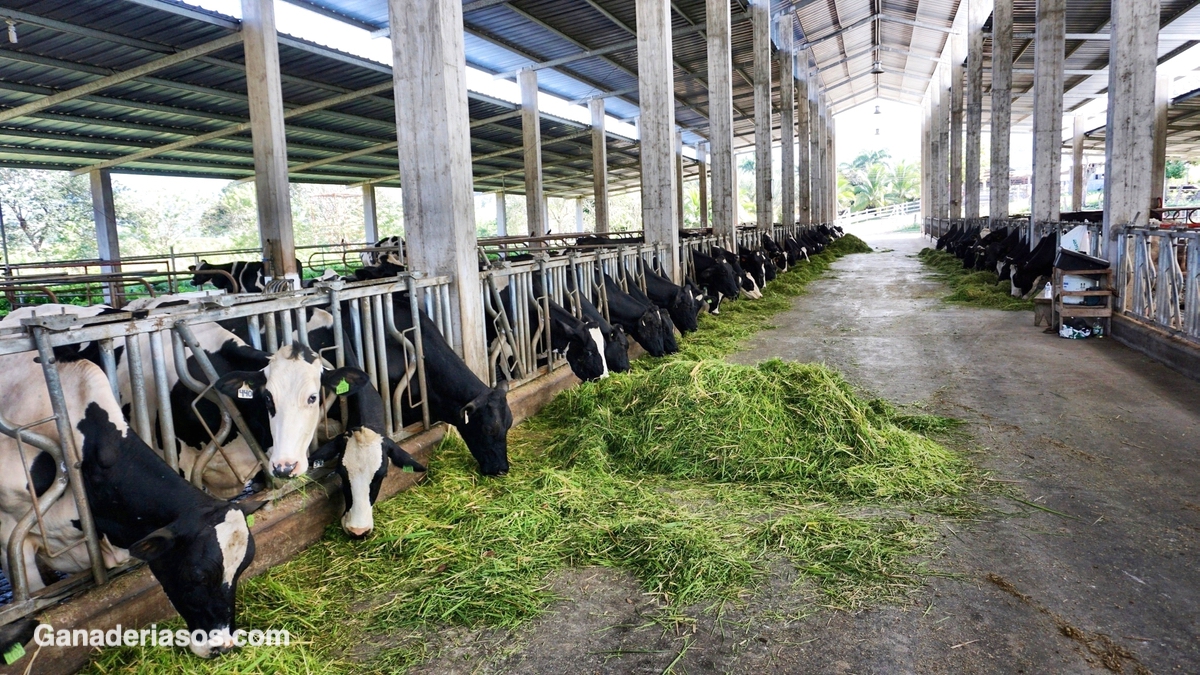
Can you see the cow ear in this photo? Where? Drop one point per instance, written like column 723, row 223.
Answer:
column 464, row 413
column 502, row 387
column 191, row 268
column 242, row 383
column 247, row 507
column 330, row 451
column 344, row 381
column 154, row 544
column 401, row 458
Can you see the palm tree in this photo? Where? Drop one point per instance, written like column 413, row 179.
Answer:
column 871, row 192
column 906, row 183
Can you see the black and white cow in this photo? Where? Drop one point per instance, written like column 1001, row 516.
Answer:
column 756, row 263
column 196, row 546
column 640, row 320
column 582, row 342
column 247, row 273
column 616, row 342
column 679, row 301
column 389, row 250
column 363, row 451
column 384, row 269
column 749, row 287
column 717, row 279
column 670, row 345
column 777, row 253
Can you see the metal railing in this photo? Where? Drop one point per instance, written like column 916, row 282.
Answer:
column 905, row 209
column 1158, row 278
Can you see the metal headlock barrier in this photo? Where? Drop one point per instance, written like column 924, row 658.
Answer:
column 1158, row 278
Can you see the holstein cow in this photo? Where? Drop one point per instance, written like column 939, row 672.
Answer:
column 391, row 251
column 757, row 265
column 1039, row 263
column 670, row 346
column 456, row 395
column 717, row 279
column 745, row 280
column 363, row 451
column 616, row 342
column 641, row 320
column 247, row 273
column 776, row 253
column 196, row 546
column 679, row 301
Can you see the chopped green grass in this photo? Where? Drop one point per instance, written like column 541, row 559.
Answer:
column 968, row 287
column 691, row 474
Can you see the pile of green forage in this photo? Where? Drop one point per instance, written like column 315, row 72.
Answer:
column 969, row 287
column 689, row 473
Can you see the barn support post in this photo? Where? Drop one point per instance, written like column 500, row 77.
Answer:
column 579, row 214
column 108, row 245
column 958, row 53
column 926, row 162
column 1078, row 186
column 370, row 214
column 816, row 189
column 599, row 164
column 1049, row 57
column 720, row 118
column 264, row 89
column 760, row 11
column 935, row 155
column 1002, row 19
column 1129, row 141
column 787, row 120
column 943, row 84
column 531, row 134
column 977, row 13
column 679, row 177
column 434, row 148
column 702, row 167
column 831, row 160
column 803, row 185
column 501, row 214
column 656, row 94
column 1162, row 99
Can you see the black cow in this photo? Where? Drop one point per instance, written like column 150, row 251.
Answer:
column 776, row 253
column 670, row 346
column 640, row 319
column 248, row 273
column 382, row 270
column 744, row 279
column 679, row 301
column 717, row 279
column 362, row 451
column 616, row 342
column 755, row 263
column 1039, row 262
column 582, row 342
column 456, row 395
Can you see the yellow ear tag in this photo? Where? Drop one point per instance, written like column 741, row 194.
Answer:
column 14, row 654
column 250, row 520
column 342, row 387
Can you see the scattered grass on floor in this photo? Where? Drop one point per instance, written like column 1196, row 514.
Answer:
column 969, row 287
column 692, row 474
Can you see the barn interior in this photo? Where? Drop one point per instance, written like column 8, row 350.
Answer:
column 1079, row 552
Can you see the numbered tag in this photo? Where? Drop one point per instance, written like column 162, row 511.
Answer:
column 14, row 654
column 342, row 387
column 245, row 391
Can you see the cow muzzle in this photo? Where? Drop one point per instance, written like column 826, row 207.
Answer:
column 284, row 470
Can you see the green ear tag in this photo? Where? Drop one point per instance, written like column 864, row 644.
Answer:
column 250, row 520
column 342, row 387
column 407, row 469
column 14, row 654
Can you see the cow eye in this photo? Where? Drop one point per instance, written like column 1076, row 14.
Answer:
column 312, row 399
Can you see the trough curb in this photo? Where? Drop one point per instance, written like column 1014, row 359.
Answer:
column 1176, row 354
column 291, row 525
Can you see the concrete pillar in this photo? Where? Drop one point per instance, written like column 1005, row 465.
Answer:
column 1162, row 99
column 760, row 11
column 531, row 135
column 599, row 164
column 803, row 166
column 702, row 166
column 816, row 148
column 1001, row 105
column 656, row 96
column 831, row 161
column 977, row 13
column 926, row 160
column 787, row 120
column 1129, row 141
column 1078, row 186
column 370, row 214
column 944, row 138
column 434, row 147
column 108, row 245
column 579, row 214
column 264, row 91
column 501, row 214
column 1048, row 54
column 937, row 154
column 720, row 118
column 679, row 179
column 958, row 53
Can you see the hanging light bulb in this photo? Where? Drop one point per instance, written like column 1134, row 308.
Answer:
column 878, row 111
column 876, row 131
column 12, row 31
column 877, row 68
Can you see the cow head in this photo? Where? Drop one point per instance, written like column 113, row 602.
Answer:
column 754, row 263
column 585, row 349
column 720, row 282
column 670, row 345
column 217, row 280
column 290, row 389
column 648, row 332
column 683, row 308
column 484, row 423
column 363, row 456
column 616, row 350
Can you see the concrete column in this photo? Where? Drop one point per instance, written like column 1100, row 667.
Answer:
column 501, row 214
column 1001, row 105
column 937, row 153
column 817, row 161
column 108, row 245
column 803, row 166
column 787, row 120
column 434, row 147
column 656, row 95
column 944, row 106
column 760, row 11
column 977, row 13
column 579, row 214
column 679, row 178
column 1129, row 141
column 1162, row 99
column 831, row 161
column 958, row 53
column 370, row 214
column 720, row 118
column 264, row 91
column 531, row 134
column 599, row 164
column 1078, row 186
column 926, row 162
column 702, row 165
column 1048, row 54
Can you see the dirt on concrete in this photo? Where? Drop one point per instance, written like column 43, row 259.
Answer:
column 1090, row 566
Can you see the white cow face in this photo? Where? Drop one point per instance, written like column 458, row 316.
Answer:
column 289, row 390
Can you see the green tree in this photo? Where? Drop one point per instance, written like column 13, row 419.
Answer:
column 872, row 189
column 905, row 183
column 48, row 215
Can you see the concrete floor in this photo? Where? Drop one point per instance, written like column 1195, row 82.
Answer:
column 1088, row 428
